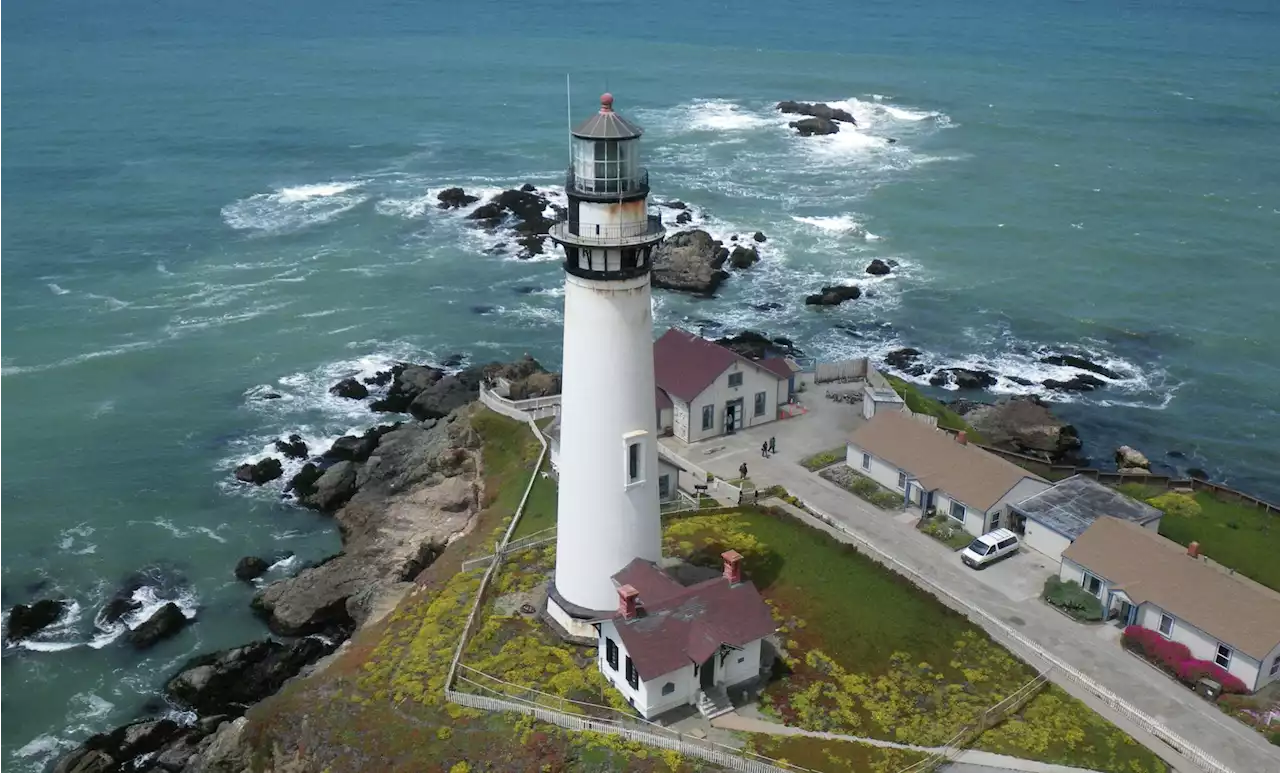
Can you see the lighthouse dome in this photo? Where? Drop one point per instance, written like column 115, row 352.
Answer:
column 606, row 124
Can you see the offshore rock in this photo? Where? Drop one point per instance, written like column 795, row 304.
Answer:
column 250, row 567
column 833, row 295
column 963, row 378
column 453, row 198
column 349, row 388
column 809, row 127
column 25, row 621
column 755, row 346
column 817, row 110
column 1072, row 361
column 1025, row 425
column 691, row 262
column 1081, row 382
column 878, row 267
column 293, row 448
column 744, row 257
column 166, row 622
column 260, row 472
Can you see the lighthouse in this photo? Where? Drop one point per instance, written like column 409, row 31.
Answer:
column 608, row 486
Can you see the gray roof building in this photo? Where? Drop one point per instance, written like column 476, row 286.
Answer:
column 1070, row 506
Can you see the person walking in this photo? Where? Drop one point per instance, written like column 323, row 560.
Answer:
column 764, row 449
column 773, row 446
column 742, row 471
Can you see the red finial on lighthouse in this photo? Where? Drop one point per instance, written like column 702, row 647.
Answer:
column 606, row 102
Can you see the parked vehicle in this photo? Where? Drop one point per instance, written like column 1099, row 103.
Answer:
column 989, row 548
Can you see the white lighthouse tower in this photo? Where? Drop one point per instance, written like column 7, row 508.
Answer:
column 608, row 489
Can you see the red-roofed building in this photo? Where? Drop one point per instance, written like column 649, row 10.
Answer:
column 671, row 645
column 713, row 390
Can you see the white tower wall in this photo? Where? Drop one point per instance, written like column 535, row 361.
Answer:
column 604, row 518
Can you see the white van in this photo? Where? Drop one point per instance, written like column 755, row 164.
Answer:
column 990, row 547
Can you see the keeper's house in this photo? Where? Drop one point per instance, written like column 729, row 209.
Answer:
column 1144, row 579
column 1054, row 518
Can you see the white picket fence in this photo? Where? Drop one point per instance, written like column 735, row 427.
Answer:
column 1193, row 753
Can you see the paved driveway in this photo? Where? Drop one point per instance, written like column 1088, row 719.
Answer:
column 1002, row 590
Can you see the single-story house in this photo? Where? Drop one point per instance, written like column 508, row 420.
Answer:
column 670, row 645
column 1147, row 580
column 1054, row 518
column 936, row 471
column 714, row 390
column 668, row 473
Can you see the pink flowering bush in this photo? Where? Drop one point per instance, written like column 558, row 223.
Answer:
column 1175, row 659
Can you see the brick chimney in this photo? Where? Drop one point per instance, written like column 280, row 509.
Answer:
column 1193, row 549
column 627, row 598
column 962, row 438
column 732, row 566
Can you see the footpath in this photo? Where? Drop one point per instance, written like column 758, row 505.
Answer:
column 1167, row 702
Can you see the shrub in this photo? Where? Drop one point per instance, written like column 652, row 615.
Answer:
column 1275, row 737
column 1179, row 505
column 1069, row 596
column 1175, row 659
column 1192, row 671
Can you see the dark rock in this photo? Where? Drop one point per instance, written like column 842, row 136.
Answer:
column 230, row 681
column 770, row 306
column 303, row 484
column 293, row 448
column 849, row 330
column 384, row 377
column 270, row 396
column 349, row 388
column 755, row 346
column 690, row 261
column 405, row 386
column 1020, row 380
column 333, row 488
column 759, row 237
column 901, row 358
column 963, row 378
column 116, row 609
column 733, row 238
column 351, row 448
column 684, row 218
column 1072, row 361
column 878, row 267
column 833, row 295
column 25, row 621
column 1081, row 382
column 535, row 385
column 528, row 188
column 453, row 198
column 1197, row 473
column 427, row 553
column 115, row 750
column 453, row 361
column 1026, row 425
column 809, row 127
column 250, row 567
column 483, row 309
column 490, row 214
column 263, row 471
column 675, row 204
column 163, row 624
column 1175, row 454
column 527, row 289
column 743, row 257
column 817, row 110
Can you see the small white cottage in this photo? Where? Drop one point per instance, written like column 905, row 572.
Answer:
column 670, row 645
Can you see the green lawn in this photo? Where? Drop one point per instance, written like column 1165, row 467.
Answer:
column 867, row 653
column 918, row 402
column 817, row 461
column 1240, row 536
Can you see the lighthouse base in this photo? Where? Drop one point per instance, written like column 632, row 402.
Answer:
column 572, row 622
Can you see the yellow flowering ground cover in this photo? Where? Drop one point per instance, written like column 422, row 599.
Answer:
column 831, row 755
column 867, row 653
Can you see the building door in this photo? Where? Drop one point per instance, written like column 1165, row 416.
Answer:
column 707, row 674
column 733, row 416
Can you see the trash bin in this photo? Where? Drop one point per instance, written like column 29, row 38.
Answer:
column 1209, row 689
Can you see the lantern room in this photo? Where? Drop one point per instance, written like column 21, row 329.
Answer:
column 606, row 157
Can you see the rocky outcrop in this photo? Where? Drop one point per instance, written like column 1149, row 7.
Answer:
column 26, row 621
column 878, row 267
column 525, row 211
column 1025, row 425
column 755, row 346
column 349, row 388
column 110, row 751
column 962, row 378
column 250, row 567
column 817, row 110
column 228, row 682
column 1080, row 363
column 1081, row 382
column 292, row 448
column 759, row 237
column 454, row 198
column 811, row 127
column 1131, row 460
column 418, row 488
column 833, row 295
column 166, row 622
column 684, row 218
column 691, row 262
column 902, row 359
column 744, row 257
column 260, row 472
column 332, row 489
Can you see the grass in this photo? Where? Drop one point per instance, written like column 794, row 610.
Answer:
column 919, row 402
column 867, row 653
column 1068, row 596
column 946, row 530
column 1236, row 535
column 829, row 754
column 822, row 459
column 380, row 704
column 856, row 483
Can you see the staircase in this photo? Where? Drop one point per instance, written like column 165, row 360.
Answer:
column 713, row 702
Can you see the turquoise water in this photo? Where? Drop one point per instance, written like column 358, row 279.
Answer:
column 204, row 203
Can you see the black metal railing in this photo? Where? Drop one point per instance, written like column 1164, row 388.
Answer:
column 605, row 186
column 593, row 233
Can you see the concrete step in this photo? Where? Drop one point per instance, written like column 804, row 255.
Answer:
column 713, row 702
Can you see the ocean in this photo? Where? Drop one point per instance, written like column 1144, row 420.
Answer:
column 206, row 203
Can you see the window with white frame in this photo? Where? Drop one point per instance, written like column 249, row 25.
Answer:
column 957, row 511
column 762, row 399
column 902, row 480
column 1275, row 666
column 1092, row 584
column 1166, row 624
column 635, row 457
column 708, row 417
column 1223, row 658
column 735, row 379
column 866, row 461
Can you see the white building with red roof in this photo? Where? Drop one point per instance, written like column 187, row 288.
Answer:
column 671, row 645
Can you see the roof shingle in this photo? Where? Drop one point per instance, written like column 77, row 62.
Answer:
column 685, row 364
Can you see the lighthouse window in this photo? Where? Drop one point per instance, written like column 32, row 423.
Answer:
column 634, row 468
column 629, row 257
column 607, row 162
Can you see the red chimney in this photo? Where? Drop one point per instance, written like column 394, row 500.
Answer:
column 627, row 597
column 732, row 566
column 1193, row 549
column 962, row 438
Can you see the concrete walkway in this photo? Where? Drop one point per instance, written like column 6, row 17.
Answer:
column 734, row 721
column 1090, row 649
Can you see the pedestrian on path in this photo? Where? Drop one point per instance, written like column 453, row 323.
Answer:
column 764, row 449
column 773, row 446
column 742, row 471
